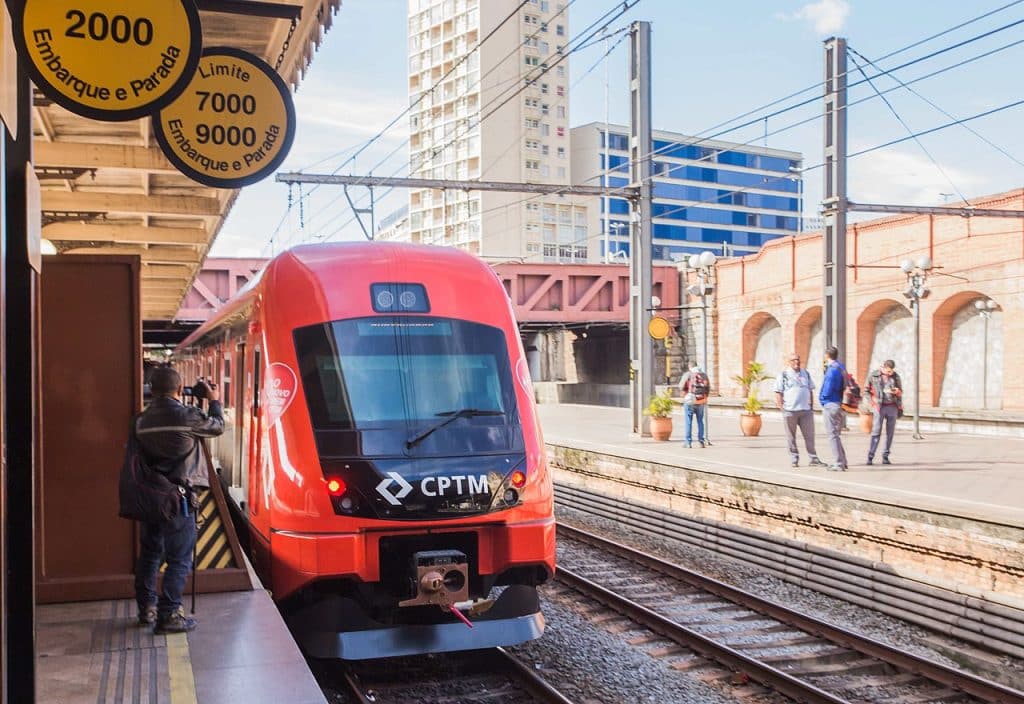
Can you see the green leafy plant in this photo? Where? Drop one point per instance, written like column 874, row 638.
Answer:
column 749, row 381
column 660, row 406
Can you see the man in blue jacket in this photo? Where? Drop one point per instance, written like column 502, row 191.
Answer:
column 831, row 398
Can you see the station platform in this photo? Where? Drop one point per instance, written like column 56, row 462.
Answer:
column 96, row 653
column 973, row 476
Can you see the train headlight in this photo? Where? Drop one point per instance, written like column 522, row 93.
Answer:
column 518, row 479
column 399, row 297
column 511, row 496
column 336, row 486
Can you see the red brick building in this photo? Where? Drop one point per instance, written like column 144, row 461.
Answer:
column 770, row 303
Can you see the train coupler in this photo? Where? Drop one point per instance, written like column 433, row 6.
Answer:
column 439, row 577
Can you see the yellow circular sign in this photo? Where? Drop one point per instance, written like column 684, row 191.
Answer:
column 110, row 59
column 659, row 328
column 233, row 125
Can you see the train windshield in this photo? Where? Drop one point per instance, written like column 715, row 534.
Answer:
column 376, row 386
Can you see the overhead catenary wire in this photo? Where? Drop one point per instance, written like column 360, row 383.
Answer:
column 884, row 71
column 819, row 84
column 513, row 53
column 605, row 20
column 907, row 127
column 906, row 85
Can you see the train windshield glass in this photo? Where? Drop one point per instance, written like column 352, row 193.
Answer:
column 398, row 375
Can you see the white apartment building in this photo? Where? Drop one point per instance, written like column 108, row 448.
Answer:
column 497, row 115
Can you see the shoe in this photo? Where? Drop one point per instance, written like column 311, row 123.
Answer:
column 835, row 468
column 177, row 622
column 885, row 460
column 686, row 445
column 795, row 463
column 871, row 461
column 704, row 444
column 147, row 615
column 815, row 462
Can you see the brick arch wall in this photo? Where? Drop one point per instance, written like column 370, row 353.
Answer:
column 867, row 322
column 803, row 330
column 752, row 333
column 942, row 334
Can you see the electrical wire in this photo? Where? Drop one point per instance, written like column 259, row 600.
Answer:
column 479, row 81
column 903, row 122
column 588, row 33
column 970, row 129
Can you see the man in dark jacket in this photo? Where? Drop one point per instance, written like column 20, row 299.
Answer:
column 170, row 434
column 886, row 393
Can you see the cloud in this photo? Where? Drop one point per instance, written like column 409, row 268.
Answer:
column 827, row 16
column 891, row 176
column 361, row 114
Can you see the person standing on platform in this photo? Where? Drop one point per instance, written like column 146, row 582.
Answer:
column 170, row 434
column 794, row 397
column 886, row 393
column 695, row 387
column 831, row 397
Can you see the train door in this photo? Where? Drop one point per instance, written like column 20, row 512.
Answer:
column 241, row 453
column 254, row 436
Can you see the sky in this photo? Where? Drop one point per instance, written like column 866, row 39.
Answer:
column 711, row 62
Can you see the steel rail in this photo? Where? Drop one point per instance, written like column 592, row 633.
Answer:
column 519, row 672
column 937, row 673
column 976, row 620
column 537, row 685
column 767, row 675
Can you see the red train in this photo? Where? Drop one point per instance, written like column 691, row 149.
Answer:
column 383, row 450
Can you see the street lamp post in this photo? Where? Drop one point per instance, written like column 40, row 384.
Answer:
column 917, row 274
column 616, row 225
column 703, row 264
column 985, row 309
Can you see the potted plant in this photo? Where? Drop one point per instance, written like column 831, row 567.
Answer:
column 750, row 419
column 660, row 410
column 867, row 417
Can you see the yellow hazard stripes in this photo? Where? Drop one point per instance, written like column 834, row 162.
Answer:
column 213, row 551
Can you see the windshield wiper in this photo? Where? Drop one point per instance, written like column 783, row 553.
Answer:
column 450, row 416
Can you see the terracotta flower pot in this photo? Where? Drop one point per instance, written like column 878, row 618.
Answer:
column 750, row 424
column 867, row 421
column 661, row 428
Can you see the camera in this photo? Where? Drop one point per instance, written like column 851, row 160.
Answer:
column 202, row 388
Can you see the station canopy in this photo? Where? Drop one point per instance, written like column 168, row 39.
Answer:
column 107, row 188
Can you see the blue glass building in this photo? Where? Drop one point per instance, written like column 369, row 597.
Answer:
column 708, row 194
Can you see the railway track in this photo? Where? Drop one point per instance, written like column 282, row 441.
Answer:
column 707, row 624
column 478, row 677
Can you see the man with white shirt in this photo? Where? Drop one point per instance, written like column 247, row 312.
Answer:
column 794, row 397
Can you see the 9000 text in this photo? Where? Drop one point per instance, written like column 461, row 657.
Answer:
column 218, row 134
column 119, row 28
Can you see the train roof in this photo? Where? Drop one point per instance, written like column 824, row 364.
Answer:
column 324, row 261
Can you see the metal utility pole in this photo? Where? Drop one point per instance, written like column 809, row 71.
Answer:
column 835, row 203
column 641, row 145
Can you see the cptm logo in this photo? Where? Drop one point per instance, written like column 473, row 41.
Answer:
column 432, row 486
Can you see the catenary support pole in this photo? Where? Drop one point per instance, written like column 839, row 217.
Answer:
column 641, row 145
column 834, row 202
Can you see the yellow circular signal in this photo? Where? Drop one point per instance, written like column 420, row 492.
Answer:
column 110, row 59
column 233, row 125
column 659, row 328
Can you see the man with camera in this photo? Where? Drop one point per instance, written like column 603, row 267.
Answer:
column 170, row 436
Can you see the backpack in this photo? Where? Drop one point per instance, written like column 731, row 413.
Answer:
column 700, row 385
column 851, row 394
column 145, row 494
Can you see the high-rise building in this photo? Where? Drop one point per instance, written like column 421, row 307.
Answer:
column 499, row 113
column 708, row 194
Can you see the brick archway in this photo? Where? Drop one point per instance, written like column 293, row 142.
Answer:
column 866, row 325
column 753, row 330
column 803, row 331
column 942, row 333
